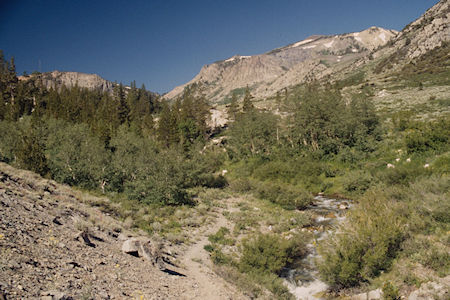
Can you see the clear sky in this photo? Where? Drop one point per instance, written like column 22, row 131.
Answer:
column 164, row 43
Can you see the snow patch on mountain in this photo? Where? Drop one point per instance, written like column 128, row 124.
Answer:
column 301, row 43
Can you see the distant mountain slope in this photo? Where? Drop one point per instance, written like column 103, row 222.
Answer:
column 57, row 79
column 267, row 73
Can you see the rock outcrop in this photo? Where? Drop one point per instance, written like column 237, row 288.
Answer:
column 426, row 33
column 57, row 79
column 430, row 31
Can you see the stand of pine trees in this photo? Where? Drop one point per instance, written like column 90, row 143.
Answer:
column 109, row 142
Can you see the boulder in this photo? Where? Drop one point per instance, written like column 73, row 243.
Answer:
column 144, row 247
column 131, row 246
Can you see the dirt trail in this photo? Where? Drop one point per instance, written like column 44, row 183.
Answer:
column 198, row 265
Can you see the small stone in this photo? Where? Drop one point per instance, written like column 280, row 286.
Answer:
column 123, row 237
column 84, row 236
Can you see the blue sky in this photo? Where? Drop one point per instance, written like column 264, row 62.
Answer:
column 164, row 43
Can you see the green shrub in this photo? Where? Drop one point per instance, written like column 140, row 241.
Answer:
column 403, row 174
column 268, row 253
column 442, row 164
column 437, row 260
column 357, row 181
column 211, row 181
column 209, row 248
column 240, row 185
column 220, row 237
column 274, row 170
column 390, row 291
column 429, row 136
column 274, row 284
column 219, row 258
column 286, row 196
column 8, row 142
column 366, row 244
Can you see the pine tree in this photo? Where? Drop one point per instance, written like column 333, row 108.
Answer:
column 123, row 110
column 247, row 105
column 167, row 127
column 2, row 109
column 132, row 102
column 233, row 108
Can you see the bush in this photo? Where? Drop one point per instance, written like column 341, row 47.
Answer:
column 286, row 196
column 403, row 174
column 267, row 254
column 220, row 237
column 219, row 258
column 433, row 136
column 390, row 292
column 215, row 182
column 9, row 141
column 240, row 185
column 209, row 248
column 367, row 244
column 357, row 181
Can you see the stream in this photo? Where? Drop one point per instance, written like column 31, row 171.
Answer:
column 302, row 277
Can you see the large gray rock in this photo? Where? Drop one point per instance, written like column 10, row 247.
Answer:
column 131, row 246
column 144, row 247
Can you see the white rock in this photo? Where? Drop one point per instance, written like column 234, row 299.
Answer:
column 131, row 246
column 342, row 207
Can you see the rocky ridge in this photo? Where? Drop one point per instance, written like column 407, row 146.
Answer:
column 267, row 73
column 426, row 33
column 57, row 79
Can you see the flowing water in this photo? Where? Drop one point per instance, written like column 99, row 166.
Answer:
column 302, row 277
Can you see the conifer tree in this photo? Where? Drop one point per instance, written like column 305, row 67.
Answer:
column 123, row 110
column 2, row 109
column 233, row 108
column 167, row 126
column 132, row 101
column 247, row 105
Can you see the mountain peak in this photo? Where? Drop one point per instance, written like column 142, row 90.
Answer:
column 269, row 72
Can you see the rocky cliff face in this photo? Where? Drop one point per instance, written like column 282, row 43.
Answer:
column 428, row 32
column 57, row 79
column 270, row 72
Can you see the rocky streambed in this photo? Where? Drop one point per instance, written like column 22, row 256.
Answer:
column 302, row 277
